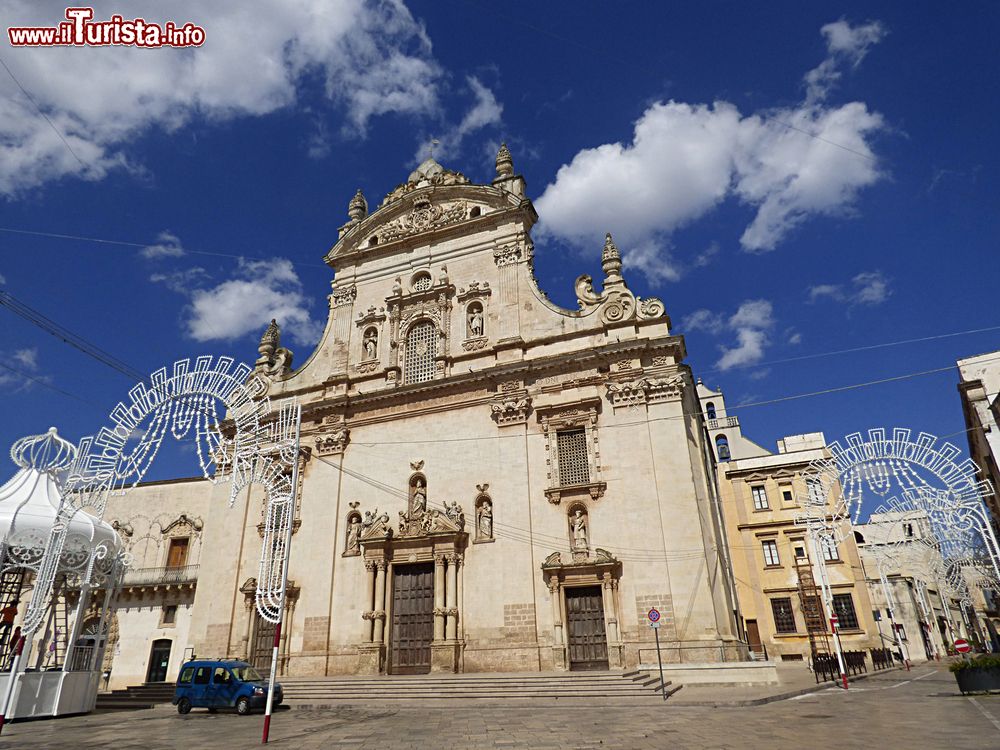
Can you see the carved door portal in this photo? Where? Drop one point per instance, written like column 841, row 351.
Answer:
column 588, row 642
column 412, row 628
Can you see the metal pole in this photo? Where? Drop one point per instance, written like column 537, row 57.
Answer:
column 284, row 577
column 663, row 685
column 828, row 597
column 891, row 604
column 15, row 668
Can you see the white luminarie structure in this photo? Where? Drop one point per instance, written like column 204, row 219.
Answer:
column 33, row 512
column 880, row 465
column 251, row 445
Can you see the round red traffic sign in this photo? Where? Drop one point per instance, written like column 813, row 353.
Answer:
column 653, row 615
column 962, row 646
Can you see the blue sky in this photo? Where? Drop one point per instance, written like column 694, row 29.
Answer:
column 790, row 180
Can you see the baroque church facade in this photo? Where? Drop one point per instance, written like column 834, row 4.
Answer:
column 489, row 482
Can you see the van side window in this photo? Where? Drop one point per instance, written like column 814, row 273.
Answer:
column 201, row 676
column 221, row 676
column 186, row 674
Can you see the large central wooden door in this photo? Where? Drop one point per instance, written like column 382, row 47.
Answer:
column 588, row 643
column 412, row 628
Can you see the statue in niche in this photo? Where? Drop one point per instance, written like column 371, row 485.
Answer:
column 371, row 343
column 578, row 526
column 484, row 524
column 354, row 534
column 475, row 320
column 418, row 503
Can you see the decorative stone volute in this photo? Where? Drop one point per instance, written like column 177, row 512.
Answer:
column 357, row 209
column 505, row 164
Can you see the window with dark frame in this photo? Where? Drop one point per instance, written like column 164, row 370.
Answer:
column 830, row 552
column 759, row 497
column 843, row 605
column 169, row 616
column 787, row 497
column 784, row 616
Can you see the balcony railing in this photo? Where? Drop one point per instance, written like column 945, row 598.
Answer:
column 717, row 424
column 161, row 576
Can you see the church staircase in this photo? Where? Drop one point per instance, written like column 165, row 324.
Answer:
column 582, row 687
column 562, row 687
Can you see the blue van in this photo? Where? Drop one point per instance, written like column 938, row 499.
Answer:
column 218, row 683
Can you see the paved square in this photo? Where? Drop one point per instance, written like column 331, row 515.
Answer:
column 920, row 710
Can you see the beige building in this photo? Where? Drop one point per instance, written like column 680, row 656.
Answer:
column 161, row 525
column 491, row 482
column 776, row 580
column 979, row 388
column 930, row 616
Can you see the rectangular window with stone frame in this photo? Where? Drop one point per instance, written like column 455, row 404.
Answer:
column 573, row 456
column 784, row 616
column 843, row 605
column 759, row 498
column 771, row 558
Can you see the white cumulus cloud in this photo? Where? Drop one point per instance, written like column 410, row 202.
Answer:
column 866, row 288
column 167, row 245
column 684, row 159
column 372, row 55
column 262, row 290
column 751, row 323
column 486, row 111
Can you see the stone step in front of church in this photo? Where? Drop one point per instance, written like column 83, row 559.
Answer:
column 634, row 686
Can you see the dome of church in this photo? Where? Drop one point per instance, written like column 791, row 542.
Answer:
column 30, row 501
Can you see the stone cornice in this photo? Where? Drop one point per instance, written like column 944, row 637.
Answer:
column 525, row 370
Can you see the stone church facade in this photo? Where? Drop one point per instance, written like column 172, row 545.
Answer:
column 489, row 482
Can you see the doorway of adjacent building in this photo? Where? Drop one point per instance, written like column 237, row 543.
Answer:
column 753, row 638
column 412, row 627
column 159, row 658
column 588, row 642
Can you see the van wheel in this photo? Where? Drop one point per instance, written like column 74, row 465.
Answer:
column 183, row 706
column 212, row 710
column 243, row 706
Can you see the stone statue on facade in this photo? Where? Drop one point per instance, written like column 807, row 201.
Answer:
column 371, row 344
column 419, row 500
column 475, row 322
column 354, row 534
column 485, row 521
column 578, row 525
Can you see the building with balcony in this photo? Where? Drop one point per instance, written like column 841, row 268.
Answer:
column 773, row 564
column 161, row 525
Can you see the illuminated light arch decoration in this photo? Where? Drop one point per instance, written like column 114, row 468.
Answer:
column 928, row 474
column 882, row 464
column 250, row 447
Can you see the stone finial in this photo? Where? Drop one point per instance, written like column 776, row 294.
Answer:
column 505, row 164
column 611, row 259
column 357, row 209
column 270, row 341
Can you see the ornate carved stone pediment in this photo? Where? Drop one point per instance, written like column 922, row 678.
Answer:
column 428, row 521
column 600, row 558
column 424, row 217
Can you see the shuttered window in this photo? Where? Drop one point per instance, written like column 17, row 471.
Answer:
column 574, row 466
column 421, row 350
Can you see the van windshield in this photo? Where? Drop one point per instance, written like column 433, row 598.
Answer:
column 247, row 674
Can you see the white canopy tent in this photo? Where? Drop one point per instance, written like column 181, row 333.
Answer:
column 71, row 563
